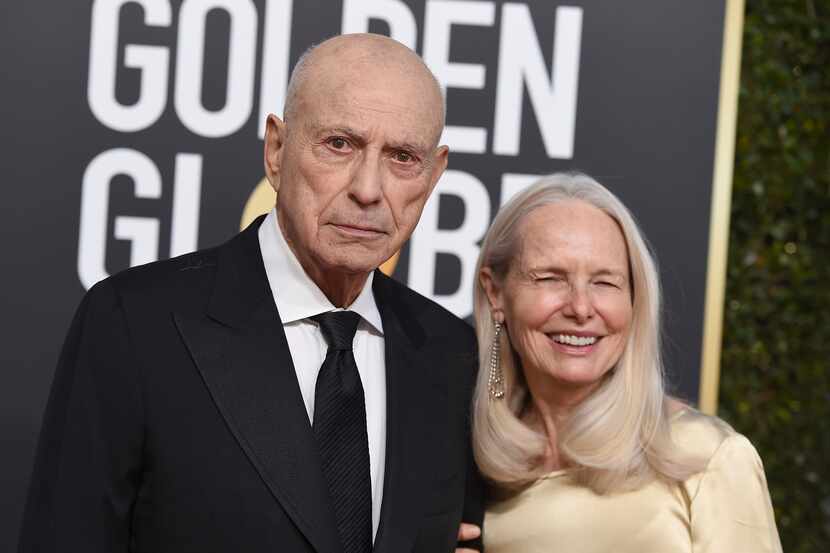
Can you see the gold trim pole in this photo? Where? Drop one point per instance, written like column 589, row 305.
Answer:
column 730, row 75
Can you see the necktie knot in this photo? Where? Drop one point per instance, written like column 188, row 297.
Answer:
column 338, row 328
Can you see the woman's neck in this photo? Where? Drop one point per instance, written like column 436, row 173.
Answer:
column 549, row 407
column 547, row 419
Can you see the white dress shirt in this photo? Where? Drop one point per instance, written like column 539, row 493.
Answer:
column 298, row 298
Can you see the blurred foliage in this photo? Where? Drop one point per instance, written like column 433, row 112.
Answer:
column 775, row 386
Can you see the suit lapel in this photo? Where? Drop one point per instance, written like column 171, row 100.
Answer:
column 243, row 357
column 405, row 443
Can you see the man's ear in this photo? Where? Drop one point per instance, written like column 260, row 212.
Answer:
column 494, row 292
column 274, row 143
column 440, row 159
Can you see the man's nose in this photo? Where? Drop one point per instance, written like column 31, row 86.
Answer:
column 580, row 305
column 366, row 187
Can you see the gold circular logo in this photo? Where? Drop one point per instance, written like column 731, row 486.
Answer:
column 263, row 198
column 260, row 202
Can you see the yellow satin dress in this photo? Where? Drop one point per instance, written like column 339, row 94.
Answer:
column 724, row 509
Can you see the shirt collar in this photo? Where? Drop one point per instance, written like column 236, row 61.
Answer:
column 299, row 297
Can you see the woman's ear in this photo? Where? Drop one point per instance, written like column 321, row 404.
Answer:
column 494, row 293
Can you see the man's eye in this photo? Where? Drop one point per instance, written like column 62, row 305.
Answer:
column 338, row 143
column 403, row 157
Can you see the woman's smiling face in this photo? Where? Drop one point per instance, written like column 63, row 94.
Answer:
column 566, row 299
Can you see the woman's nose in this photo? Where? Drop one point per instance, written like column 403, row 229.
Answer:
column 579, row 305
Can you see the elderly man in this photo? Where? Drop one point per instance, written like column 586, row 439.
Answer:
column 277, row 393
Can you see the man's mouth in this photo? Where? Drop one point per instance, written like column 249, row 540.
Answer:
column 358, row 230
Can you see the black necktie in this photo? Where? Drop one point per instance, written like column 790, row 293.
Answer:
column 340, row 429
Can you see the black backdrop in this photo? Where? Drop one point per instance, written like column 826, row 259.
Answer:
column 638, row 79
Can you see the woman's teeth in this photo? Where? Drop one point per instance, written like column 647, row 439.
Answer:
column 575, row 340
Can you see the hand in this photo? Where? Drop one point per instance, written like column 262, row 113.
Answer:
column 467, row 532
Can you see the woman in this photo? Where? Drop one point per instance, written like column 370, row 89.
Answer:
column 571, row 422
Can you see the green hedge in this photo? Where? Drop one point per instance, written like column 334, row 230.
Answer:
column 776, row 350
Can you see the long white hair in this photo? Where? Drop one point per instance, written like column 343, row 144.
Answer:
column 617, row 438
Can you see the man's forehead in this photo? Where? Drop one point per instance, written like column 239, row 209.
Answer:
column 346, row 83
column 374, row 87
column 371, row 110
column 391, row 130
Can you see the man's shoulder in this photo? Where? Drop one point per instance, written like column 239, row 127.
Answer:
column 184, row 283
column 148, row 293
column 431, row 316
column 182, row 275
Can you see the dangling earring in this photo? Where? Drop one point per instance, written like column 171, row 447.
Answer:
column 495, row 382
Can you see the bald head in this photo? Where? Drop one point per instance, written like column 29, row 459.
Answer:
column 357, row 57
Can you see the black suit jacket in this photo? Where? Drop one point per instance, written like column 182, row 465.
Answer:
column 176, row 424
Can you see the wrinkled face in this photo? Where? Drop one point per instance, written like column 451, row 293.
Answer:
column 566, row 299
column 355, row 165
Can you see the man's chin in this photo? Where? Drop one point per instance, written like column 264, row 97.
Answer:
column 353, row 264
